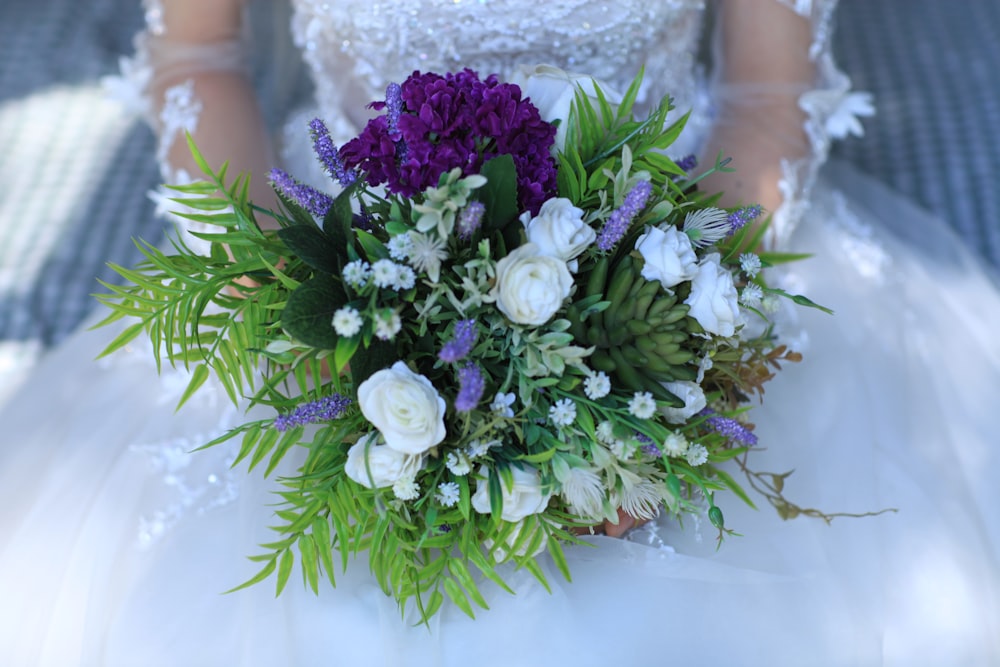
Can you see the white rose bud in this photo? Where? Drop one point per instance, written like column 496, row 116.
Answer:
column 531, row 287
column 693, row 397
column 713, row 299
column 522, row 498
column 669, row 256
column 559, row 230
column 387, row 465
column 552, row 90
column 404, row 407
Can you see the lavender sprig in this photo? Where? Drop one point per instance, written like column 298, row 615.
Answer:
column 328, row 154
column 742, row 216
column 616, row 226
column 324, row 409
column 460, row 346
column 308, row 198
column 471, row 385
column 470, row 219
column 731, row 429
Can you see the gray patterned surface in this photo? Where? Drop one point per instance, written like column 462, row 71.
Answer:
column 74, row 169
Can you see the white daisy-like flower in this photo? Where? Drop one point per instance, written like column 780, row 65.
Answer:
column 563, row 413
column 357, row 273
column 751, row 295
column 387, row 324
column 347, row 322
column 584, row 493
column 706, row 226
column 502, row 403
column 385, row 273
column 642, row 405
column 597, row 385
column 606, row 432
column 399, row 246
column 448, row 494
column 696, row 455
column 750, row 263
column 457, row 464
column 426, row 255
column 406, row 488
column 405, row 278
column 638, row 497
column 675, row 444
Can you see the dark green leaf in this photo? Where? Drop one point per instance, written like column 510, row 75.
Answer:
column 313, row 247
column 499, row 195
column 308, row 316
column 366, row 361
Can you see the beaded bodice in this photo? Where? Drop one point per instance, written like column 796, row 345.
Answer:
column 356, row 47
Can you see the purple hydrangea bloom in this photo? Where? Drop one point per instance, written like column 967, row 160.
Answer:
column 456, row 120
column 471, row 385
column 327, row 408
column 328, row 155
column 308, row 198
column 740, row 217
column 460, row 345
column 616, row 226
column 728, row 427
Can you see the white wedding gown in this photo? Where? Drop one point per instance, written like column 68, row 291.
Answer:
column 116, row 542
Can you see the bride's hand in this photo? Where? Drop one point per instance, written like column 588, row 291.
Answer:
column 625, row 522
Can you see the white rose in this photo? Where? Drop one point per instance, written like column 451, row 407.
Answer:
column 693, row 397
column 669, row 256
column 559, row 230
column 387, row 465
column 713, row 299
column 404, row 407
column 531, row 287
column 522, row 498
column 552, row 90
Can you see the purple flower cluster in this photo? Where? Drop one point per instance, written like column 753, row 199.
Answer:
column 327, row 408
column 469, row 220
column 741, row 216
column 456, row 120
column 730, row 428
column 616, row 226
column 471, row 385
column 687, row 163
column 648, row 446
column 308, row 198
column 460, row 346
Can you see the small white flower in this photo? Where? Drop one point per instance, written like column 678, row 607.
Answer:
column 406, row 488
column 696, row 455
column 642, row 405
column 706, row 226
column 347, row 322
column 356, row 273
column 692, row 395
column 622, row 450
column 426, row 255
column 639, row 497
column 713, row 298
column 387, row 324
column 457, row 464
column 448, row 494
column 750, row 263
column 501, row 405
column 563, row 413
column 606, row 433
column 583, row 492
column 399, row 246
column 597, row 385
column 479, row 448
column 751, row 295
column 384, row 273
column 770, row 304
column 675, row 444
column 405, row 278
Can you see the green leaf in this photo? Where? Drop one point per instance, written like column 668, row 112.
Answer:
column 339, row 220
column 374, row 249
column 499, row 195
column 558, row 557
column 284, row 569
column 198, row 378
column 263, row 574
column 375, row 357
column 321, row 535
column 310, row 570
column 458, row 569
column 308, row 315
column 313, row 247
column 458, row 596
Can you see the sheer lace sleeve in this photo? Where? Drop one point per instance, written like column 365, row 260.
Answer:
column 780, row 101
column 190, row 74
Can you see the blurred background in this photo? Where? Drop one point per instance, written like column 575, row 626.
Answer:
column 75, row 167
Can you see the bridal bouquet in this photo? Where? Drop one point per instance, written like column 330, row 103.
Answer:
column 516, row 317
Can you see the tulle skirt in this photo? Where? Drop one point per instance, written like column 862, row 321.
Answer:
column 117, row 542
